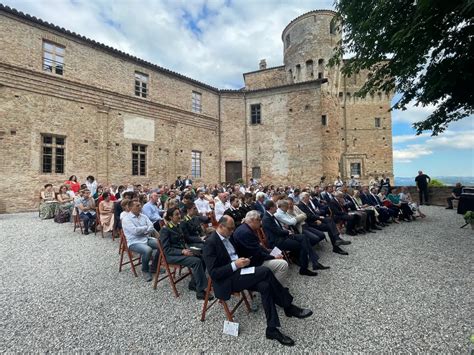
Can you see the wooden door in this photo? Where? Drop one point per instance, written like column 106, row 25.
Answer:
column 233, row 171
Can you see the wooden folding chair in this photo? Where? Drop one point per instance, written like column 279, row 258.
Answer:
column 77, row 220
column 123, row 249
column 229, row 313
column 171, row 275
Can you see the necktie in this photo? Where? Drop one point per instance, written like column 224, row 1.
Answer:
column 278, row 222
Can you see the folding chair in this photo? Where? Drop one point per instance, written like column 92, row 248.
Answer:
column 229, row 313
column 123, row 249
column 171, row 275
column 77, row 220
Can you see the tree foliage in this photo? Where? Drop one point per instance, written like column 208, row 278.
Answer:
column 423, row 49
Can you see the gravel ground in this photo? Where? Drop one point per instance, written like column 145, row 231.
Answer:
column 407, row 288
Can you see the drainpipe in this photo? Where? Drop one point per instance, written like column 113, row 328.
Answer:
column 219, row 162
column 344, row 165
column 246, row 141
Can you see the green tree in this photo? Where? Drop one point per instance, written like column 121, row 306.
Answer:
column 420, row 48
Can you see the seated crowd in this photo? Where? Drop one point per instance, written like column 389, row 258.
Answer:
column 216, row 231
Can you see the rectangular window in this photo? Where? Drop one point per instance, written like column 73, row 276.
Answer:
column 377, row 122
column 256, row 172
column 197, row 96
column 195, row 164
column 287, row 40
column 355, row 169
column 255, row 114
column 138, row 159
column 53, row 151
column 141, row 84
column 324, row 120
column 53, row 58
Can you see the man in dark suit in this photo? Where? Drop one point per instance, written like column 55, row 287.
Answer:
column 179, row 183
column 191, row 226
column 234, row 210
column 325, row 224
column 340, row 213
column 224, row 266
column 248, row 245
column 287, row 240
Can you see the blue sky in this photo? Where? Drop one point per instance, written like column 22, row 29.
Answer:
column 215, row 41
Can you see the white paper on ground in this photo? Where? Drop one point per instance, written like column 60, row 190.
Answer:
column 231, row 328
column 275, row 252
column 247, row 270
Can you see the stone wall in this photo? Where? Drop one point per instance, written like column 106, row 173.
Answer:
column 265, row 78
column 437, row 195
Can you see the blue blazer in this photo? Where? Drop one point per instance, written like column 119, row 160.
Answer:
column 248, row 245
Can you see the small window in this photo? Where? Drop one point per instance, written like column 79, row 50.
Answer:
column 53, row 154
column 287, row 40
column 141, row 84
column 256, row 172
column 53, row 58
column 255, row 114
column 138, row 160
column 298, row 71
column 196, row 102
column 332, row 27
column 195, row 164
column 355, row 169
column 324, row 120
column 320, row 61
column 377, row 122
column 320, row 75
column 309, row 67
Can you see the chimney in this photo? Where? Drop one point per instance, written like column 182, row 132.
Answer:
column 263, row 64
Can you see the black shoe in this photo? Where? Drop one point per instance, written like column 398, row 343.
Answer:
column 341, row 242
column 307, row 272
column 377, row 228
column 321, row 267
column 449, row 208
column 86, row 232
column 361, row 231
column 295, row 311
column 352, row 233
column 275, row 334
column 370, row 231
column 340, row 251
column 192, row 286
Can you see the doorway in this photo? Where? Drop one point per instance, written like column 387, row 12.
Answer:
column 233, row 171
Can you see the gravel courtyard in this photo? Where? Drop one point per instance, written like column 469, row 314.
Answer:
column 408, row 288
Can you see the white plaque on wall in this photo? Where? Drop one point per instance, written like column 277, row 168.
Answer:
column 139, row 128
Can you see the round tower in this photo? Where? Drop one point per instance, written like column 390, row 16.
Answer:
column 308, row 43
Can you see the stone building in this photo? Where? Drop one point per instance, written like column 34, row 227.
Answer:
column 70, row 105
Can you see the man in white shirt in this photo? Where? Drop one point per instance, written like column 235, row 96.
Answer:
column 138, row 231
column 221, row 205
column 151, row 210
column 202, row 204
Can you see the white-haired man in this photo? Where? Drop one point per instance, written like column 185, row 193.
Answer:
column 222, row 205
column 248, row 245
column 259, row 203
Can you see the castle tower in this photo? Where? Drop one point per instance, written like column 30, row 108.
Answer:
column 308, row 43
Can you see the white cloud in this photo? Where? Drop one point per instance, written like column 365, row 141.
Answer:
column 408, row 138
column 453, row 140
column 410, row 153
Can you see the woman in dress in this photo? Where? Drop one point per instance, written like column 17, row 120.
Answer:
column 66, row 201
column 48, row 205
column 106, row 212
column 405, row 197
